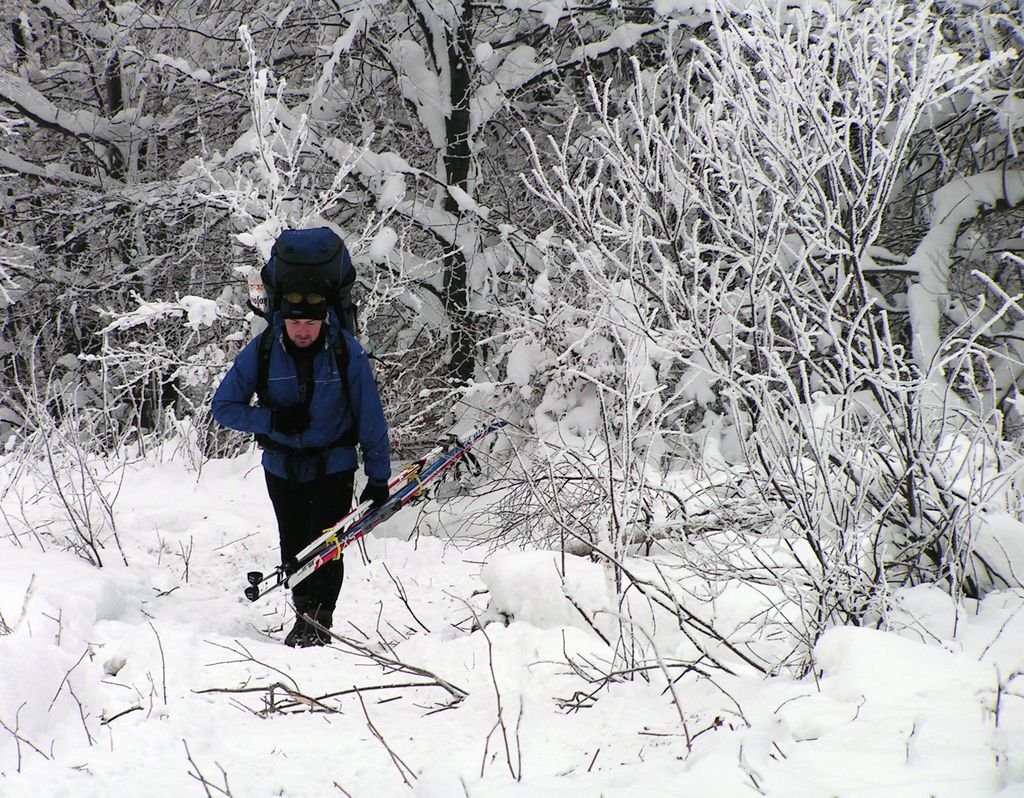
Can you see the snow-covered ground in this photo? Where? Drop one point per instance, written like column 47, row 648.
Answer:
column 159, row 679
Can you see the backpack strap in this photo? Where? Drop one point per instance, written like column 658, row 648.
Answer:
column 342, row 358
column 344, row 442
column 264, row 348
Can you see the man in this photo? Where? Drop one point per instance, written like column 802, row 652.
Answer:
column 308, row 422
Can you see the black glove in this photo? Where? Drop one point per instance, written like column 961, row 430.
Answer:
column 289, row 420
column 376, row 492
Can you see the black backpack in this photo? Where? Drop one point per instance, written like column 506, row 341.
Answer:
column 311, row 260
column 315, row 259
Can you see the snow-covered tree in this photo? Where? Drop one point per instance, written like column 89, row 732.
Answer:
column 717, row 303
column 107, row 109
column 422, row 104
column 149, row 118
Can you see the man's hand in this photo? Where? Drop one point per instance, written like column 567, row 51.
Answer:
column 289, row 420
column 376, row 492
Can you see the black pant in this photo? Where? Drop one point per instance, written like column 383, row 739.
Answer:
column 304, row 510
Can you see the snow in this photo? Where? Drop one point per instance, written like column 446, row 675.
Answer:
column 483, row 52
column 953, row 204
column 358, row 24
column 182, row 66
column 107, row 668
column 393, row 192
column 1010, row 117
column 282, row 15
column 518, row 67
column 551, row 11
column 667, row 8
column 466, row 203
column 622, row 38
column 201, row 312
column 81, row 122
column 383, row 244
column 999, row 539
column 198, row 312
column 525, row 359
column 421, row 86
column 14, row 163
column 261, row 237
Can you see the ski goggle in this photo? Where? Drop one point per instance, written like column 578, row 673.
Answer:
column 295, row 298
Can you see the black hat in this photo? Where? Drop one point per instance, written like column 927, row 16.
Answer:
column 309, row 304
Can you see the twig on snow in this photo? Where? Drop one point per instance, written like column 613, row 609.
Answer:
column 390, row 663
column 198, row 776
column 18, row 739
column 163, row 662
column 400, row 766
column 246, row 656
column 405, row 598
column 112, row 718
column 65, row 679
column 517, row 774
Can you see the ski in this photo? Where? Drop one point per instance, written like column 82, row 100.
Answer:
column 276, row 578
column 330, row 543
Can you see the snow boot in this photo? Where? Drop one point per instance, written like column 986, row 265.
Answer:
column 303, row 634
column 321, row 637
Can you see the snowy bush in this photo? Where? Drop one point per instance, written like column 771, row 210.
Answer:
column 718, row 248
column 66, row 490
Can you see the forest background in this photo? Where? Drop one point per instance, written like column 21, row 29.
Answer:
column 745, row 279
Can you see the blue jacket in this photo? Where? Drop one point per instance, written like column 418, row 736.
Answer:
column 331, row 415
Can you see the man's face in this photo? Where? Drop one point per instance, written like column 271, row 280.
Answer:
column 302, row 332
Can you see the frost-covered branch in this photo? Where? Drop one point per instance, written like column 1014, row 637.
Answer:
column 727, row 213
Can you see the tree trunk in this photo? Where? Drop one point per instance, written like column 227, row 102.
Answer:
column 457, row 168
